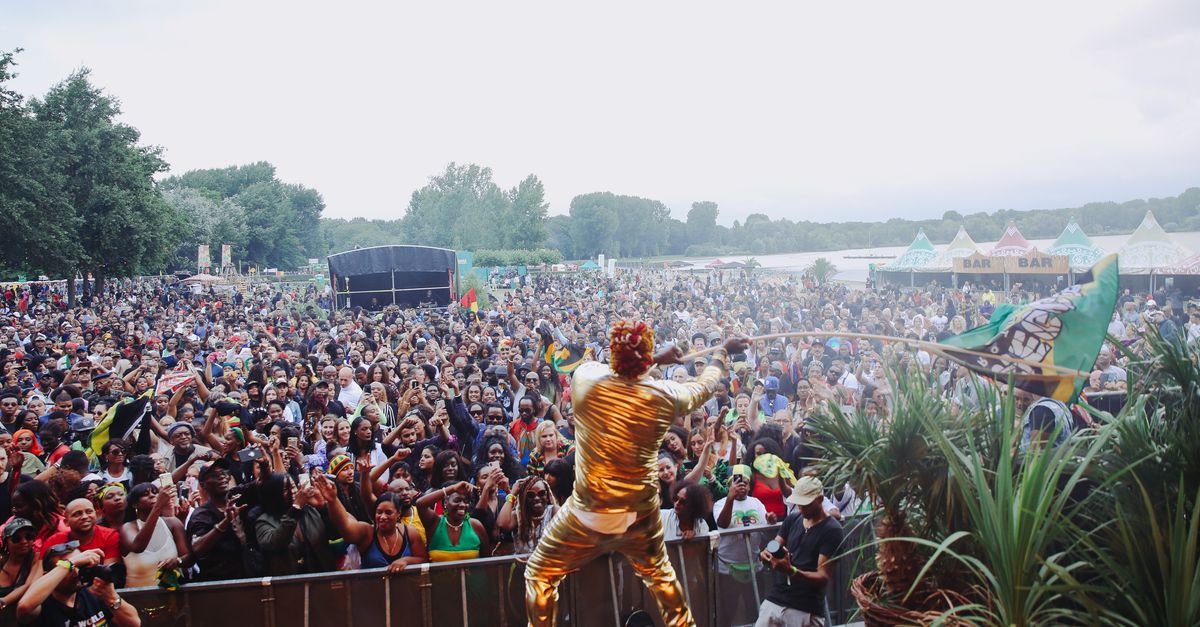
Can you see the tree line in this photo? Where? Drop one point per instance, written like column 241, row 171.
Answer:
column 79, row 195
column 77, row 190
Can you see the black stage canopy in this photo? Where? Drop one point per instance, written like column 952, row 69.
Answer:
column 408, row 276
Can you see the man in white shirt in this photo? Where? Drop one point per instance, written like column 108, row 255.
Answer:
column 736, row 563
column 350, row 393
column 1111, row 373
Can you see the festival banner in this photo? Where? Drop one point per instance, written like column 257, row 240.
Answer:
column 979, row 264
column 226, row 255
column 203, row 259
column 1035, row 262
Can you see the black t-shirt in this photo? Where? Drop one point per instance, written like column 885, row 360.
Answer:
column 224, row 561
column 806, row 547
column 88, row 611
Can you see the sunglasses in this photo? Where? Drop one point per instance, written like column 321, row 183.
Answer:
column 65, row 547
column 477, row 412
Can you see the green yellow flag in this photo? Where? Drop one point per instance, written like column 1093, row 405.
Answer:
column 563, row 356
column 1044, row 344
column 119, row 421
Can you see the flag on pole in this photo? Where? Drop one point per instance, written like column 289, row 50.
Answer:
column 119, row 421
column 1047, row 346
column 469, row 301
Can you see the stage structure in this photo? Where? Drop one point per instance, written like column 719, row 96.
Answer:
column 408, row 276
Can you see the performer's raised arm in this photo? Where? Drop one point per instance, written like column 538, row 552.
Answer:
column 688, row 396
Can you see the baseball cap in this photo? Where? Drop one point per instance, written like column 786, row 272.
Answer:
column 806, row 491
column 15, row 525
column 771, row 383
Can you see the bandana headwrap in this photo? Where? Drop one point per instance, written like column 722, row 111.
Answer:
column 36, row 449
column 770, row 466
column 237, row 432
column 338, row 463
column 109, row 487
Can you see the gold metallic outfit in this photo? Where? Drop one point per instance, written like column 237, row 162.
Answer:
column 619, row 425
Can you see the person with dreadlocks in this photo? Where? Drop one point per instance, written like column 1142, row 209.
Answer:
column 621, row 416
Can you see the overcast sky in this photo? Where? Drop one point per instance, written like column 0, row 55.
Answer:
column 821, row 111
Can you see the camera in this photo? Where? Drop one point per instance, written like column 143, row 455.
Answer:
column 89, row 574
column 776, row 549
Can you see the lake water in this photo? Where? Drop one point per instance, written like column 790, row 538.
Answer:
column 856, row 270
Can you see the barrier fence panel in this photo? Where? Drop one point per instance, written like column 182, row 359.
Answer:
column 723, row 580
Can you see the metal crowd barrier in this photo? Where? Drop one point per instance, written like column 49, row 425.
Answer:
column 491, row 591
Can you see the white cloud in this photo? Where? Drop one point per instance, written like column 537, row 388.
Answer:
column 864, row 110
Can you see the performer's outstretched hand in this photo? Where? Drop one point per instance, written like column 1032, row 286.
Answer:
column 736, row 344
column 669, row 356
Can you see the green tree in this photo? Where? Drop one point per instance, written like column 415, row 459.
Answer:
column 702, row 222
column 594, row 224
column 460, row 208
column 125, row 224
column 526, row 227
column 560, row 238
column 40, row 225
column 207, row 221
column 283, row 220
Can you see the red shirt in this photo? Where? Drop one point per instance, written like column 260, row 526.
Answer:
column 103, row 538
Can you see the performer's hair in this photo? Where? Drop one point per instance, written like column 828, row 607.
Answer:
column 632, row 345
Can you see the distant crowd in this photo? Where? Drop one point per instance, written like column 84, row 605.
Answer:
column 279, row 438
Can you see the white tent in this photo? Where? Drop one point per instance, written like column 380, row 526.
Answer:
column 1012, row 243
column 1076, row 245
column 1150, row 249
column 961, row 246
column 920, row 253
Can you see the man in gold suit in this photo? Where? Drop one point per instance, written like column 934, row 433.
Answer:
column 621, row 416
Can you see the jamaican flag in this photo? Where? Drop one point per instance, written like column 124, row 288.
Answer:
column 563, row 356
column 119, row 421
column 1055, row 339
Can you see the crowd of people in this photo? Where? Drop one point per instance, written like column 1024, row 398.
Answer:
column 279, row 438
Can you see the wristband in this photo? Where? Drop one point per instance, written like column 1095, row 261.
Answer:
column 65, row 564
column 511, row 498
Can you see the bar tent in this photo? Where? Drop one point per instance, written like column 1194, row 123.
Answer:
column 1149, row 250
column 1012, row 243
column 1076, row 246
column 1188, row 266
column 961, row 246
column 920, row 253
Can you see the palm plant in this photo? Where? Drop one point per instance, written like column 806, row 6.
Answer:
column 1152, row 562
column 822, row 270
column 1023, row 547
column 896, row 467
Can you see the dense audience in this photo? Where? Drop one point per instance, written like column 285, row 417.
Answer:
column 280, row 438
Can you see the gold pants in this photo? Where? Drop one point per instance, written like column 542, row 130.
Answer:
column 567, row 545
